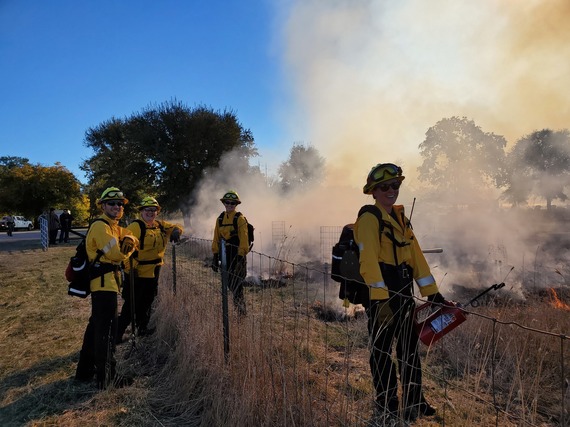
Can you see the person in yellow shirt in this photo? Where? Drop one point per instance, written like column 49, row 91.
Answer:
column 153, row 235
column 389, row 264
column 111, row 245
column 231, row 226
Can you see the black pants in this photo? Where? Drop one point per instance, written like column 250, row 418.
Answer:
column 97, row 354
column 52, row 236
column 388, row 322
column 64, row 235
column 145, row 293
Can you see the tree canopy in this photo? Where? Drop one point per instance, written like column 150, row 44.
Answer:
column 304, row 166
column 29, row 189
column 163, row 151
column 459, row 155
column 539, row 164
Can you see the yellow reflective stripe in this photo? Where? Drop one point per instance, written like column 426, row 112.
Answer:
column 378, row 285
column 425, row 281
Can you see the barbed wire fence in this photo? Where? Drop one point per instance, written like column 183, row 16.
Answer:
column 300, row 358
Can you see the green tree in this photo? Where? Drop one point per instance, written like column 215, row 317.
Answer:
column 7, row 162
column 539, row 164
column 164, row 151
column 459, row 156
column 31, row 189
column 304, row 167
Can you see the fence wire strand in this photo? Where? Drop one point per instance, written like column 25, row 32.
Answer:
column 300, row 358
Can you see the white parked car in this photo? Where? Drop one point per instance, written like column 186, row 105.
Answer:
column 19, row 223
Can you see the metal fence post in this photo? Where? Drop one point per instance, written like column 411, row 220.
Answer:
column 174, row 269
column 225, row 315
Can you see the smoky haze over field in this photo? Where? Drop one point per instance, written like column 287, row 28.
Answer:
column 370, row 78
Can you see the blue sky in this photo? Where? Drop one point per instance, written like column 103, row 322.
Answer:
column 69, row 65
column 360, row 81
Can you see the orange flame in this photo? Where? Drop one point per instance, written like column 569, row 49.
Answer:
column 557, row 302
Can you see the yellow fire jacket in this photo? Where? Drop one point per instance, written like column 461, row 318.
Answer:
column 374, row 251
column 107, row 239
column 226, row 232
column 156, row 238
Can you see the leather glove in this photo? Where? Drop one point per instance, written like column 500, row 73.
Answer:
column 215, row 262
column 437, row 298
column 127, row 245
column 175, row 235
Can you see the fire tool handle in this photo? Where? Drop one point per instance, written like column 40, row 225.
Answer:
column 474, row 303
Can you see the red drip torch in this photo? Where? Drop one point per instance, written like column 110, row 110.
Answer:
column 431, row 327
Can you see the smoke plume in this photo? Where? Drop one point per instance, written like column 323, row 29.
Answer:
column 369, row 78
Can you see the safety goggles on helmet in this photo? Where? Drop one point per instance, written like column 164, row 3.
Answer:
column 149, row 202
column 230, row 195
column 380, row 173
column 113, row 193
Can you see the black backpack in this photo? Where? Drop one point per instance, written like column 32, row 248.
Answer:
column 345, row 265
column 234, row 233
column 78, row 272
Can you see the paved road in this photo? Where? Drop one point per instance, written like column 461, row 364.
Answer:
column 23, row 236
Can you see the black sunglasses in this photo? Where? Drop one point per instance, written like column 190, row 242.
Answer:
column 386, row 187
column 227, row 202
column 119, row 204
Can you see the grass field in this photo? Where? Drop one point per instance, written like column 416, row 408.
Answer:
column 178, row 382
column 40, row 338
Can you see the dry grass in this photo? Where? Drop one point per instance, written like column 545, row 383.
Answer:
column 42, row 330
column 291, row 362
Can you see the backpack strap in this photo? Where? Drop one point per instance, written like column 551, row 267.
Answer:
column 236, row 216
column 373, row 209
column 100, row 253
column 234, row 232
column 142, row 225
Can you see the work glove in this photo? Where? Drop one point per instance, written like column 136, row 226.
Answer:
column 175, row 235
column 385, row 312
column 127, row 245
column 438, row 301
column 437, row 298
column 215, row 262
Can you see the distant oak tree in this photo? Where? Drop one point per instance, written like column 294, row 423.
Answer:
column 303, row 168
column 539, row 165
column 458, row 156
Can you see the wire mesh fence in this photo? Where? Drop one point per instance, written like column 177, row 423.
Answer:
column 300, row 358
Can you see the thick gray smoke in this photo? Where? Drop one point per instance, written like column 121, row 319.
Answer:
column 370, row 78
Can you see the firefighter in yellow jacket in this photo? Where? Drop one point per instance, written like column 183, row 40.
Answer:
column 153, row 235
column 108, row 246
column 231, row 226
column 390, row 260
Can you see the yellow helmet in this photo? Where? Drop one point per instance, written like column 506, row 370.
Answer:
column 149, row 202
column 112, row 193
column 231, row 195
column 380, row 173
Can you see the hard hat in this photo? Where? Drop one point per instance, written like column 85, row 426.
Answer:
column 231, row 195
column 380, row 173
column 149, row 202
column 112, row 193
